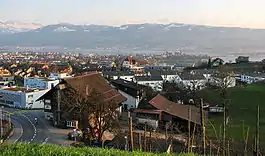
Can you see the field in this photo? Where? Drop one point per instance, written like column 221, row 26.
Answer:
column 242, row 111
column 52, row 150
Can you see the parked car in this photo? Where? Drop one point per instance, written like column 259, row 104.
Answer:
column 75, row 134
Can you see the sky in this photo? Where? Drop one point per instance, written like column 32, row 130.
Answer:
column 243, row 13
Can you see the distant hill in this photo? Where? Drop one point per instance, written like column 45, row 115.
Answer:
column 189, row 38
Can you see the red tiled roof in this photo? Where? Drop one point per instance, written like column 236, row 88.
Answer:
column 175, row 109
column 94, row 81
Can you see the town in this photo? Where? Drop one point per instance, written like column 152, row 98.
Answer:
column 169, row 102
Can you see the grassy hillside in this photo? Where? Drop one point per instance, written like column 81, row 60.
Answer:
column 242, row 111
column 52, row 150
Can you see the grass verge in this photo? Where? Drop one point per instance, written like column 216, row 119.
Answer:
column 53, row 150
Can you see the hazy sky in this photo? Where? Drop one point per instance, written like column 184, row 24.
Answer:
column 244, row 13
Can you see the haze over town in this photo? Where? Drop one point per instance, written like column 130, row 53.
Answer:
column 239, row 13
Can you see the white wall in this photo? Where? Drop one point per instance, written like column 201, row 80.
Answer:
column 131, row 101
column 127, row 78
column 250, row 79
column 195, row 84
column 171, row 78
column 22, row 99
column 155, row 85
column 228, row 82
column 59, row 76
column 32, row 97
column 126, row 64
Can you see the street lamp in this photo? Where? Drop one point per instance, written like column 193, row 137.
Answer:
column 2, row 121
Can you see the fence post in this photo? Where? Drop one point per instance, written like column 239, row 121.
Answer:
column 257, row 132
column 202, row 129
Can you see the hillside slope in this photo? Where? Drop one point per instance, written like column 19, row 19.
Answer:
column 242, row 110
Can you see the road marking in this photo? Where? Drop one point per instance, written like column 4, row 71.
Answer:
column 32, row 125
column 45, row 141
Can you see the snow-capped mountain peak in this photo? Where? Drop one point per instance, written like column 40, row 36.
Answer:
column 14, row 27
column 63, row 29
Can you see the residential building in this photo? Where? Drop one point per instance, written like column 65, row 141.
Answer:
column 21, row 97
column 114, row 75
column 165, row 111
column 192, row 80
column 4, row 72
column 132, row 91
column 59, row 75
column 58, row 107
column 167, row 75
column 227, row 82
column 242, row 59
column 251, row 77
column 7, row 81
column 155, row 82
column 40, row 82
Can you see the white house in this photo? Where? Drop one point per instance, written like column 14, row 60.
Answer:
column 167, row 75
column 114, row 75
column 132, row 91
column 227, row 82
column 40, row 83
column 251, row 78
column 155, row 82
column 59, row 75
column 21, row 97
column 192, row 80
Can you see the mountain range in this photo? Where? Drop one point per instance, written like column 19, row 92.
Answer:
column 188, row 38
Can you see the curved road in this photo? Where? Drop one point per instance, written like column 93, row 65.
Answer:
column 30, row 132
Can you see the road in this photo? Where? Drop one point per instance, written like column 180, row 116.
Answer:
column 31, row 132
column 41, row 133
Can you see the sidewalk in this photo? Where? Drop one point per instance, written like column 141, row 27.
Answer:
column 17, row 133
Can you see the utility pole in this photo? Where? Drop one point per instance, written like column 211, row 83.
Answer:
column 150, row 143
column 202, row 129
column 131, row 133
column 58, row 106
column 1, row 122
column 189, row 136
column 145, row 142
column 9, row 120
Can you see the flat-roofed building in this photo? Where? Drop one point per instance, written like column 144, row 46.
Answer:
column 21, row 97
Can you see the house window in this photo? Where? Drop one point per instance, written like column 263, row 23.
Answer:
column 71, row 124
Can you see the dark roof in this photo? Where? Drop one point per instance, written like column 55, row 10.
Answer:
column 175, row 109
column 191, row 76
column 128, row 84
column 149, row 78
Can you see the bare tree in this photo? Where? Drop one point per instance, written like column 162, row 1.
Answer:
column 223, row 79
column 90, row 109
